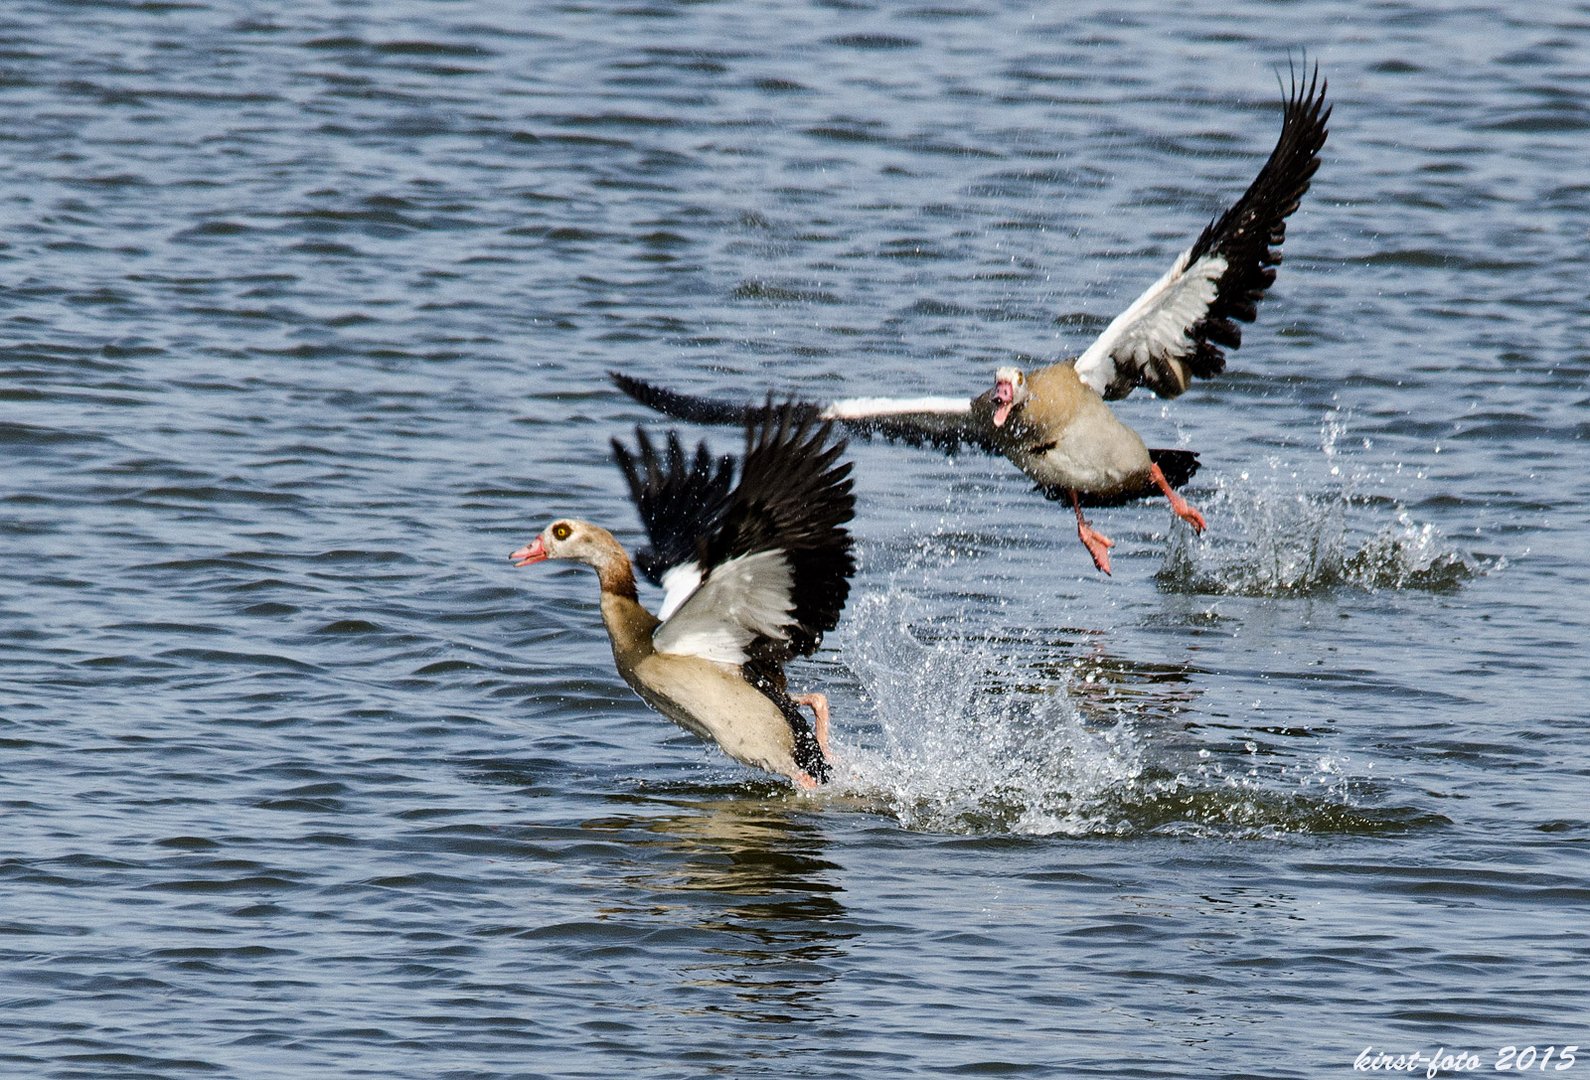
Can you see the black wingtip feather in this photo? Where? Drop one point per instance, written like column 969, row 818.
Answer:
column 1225, row 332
column 1207, row 361
column 679, row 499
column 795, row 495
column 696, row 410
column 1250, row 233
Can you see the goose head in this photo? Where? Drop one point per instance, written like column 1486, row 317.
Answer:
column 567, row 539
column 1010, row 393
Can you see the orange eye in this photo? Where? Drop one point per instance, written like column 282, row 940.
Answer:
column 561, row 531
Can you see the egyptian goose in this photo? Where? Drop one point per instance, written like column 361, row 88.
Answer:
column 753, row 575
column 1053, row 423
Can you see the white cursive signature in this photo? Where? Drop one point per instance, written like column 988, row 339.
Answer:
column 1508, row 1059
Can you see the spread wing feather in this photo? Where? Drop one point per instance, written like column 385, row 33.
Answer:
column 755, row 573
column 794, row 497
column 946, row 423
column 679, row 500
column 1178, row 329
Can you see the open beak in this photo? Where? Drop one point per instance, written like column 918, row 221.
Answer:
column 1003, row 393
column 532, row 553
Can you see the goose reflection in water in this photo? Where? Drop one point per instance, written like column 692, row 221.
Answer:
column 751, row 900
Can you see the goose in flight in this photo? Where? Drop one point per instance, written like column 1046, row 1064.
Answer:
column 753, row 573
column 1054, row 423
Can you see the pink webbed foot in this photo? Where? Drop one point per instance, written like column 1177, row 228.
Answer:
column 818, row 704
column 1097, row 543
column 1187, row 513
column 1183, row 509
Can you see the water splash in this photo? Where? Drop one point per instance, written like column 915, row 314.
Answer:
column 960, row 749
column 1247, row 791
column 1276, row 539
column 968, row 739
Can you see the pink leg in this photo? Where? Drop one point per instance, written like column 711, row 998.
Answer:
column 1183, row 509
column 1097, row 543
column 818, row 704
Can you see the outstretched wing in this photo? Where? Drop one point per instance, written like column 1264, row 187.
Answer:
column 946, row 423
column 1176, row 331
column 776, row 569
column 680, row 501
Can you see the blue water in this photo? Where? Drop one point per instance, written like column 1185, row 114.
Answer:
column 305, row 317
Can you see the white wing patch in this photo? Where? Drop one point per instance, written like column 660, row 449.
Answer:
column 678, row 583
column 867, row 408
column 1156, row 324
column 742, row 599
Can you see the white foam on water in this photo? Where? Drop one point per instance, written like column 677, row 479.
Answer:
column 960, row 735
column 968, row 727
column 1276, row 531
column 958, row 748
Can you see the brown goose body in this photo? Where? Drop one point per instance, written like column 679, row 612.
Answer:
column 754, row 575
column 707, row 698
column 1065, row 437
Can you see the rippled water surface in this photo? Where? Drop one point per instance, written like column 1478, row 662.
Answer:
column 305, row 316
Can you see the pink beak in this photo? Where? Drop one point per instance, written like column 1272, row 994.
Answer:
column 532, row 553
column 1003, row 393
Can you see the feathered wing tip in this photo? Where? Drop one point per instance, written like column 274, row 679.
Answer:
column 1248, row 236
column 1178, row 330
column 794, row 496
column 695, row 410
column 680, row 499
column 702, row 410
column 946, row 423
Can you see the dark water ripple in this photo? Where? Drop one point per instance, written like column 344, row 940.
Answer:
column 304, row 323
